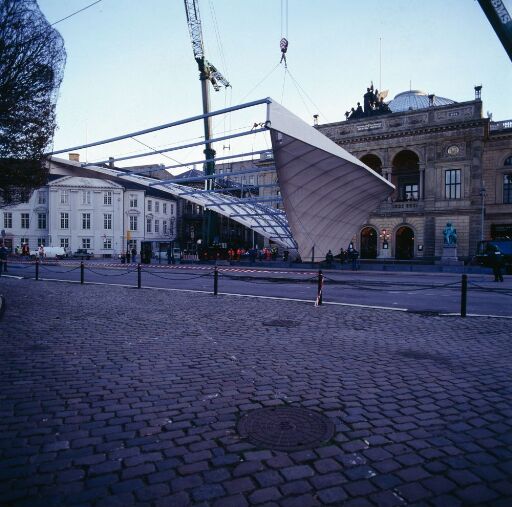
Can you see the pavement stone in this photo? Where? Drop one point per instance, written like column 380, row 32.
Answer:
column 117, row 396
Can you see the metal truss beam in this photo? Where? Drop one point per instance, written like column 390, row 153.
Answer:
column 165, row 126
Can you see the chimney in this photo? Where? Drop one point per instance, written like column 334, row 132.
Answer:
column 75, row 157
column 478, row 92
column 431, row 98
column 315, row 120
column 111, row 161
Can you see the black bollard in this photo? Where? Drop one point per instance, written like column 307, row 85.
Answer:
column 139, row 276
column 82, row 272
column 37, row 269
column 215, row 281
column 320, row 284
column 463, row 295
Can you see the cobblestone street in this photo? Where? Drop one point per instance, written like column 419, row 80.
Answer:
column 112, row 396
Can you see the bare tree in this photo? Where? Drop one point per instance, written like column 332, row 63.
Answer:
column 32, row 59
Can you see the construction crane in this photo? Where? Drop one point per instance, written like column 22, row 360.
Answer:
column 501, row 21
column 207, row 73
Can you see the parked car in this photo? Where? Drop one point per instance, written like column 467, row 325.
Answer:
column 52, row 252
column 162, row 256
column 83, row 253
column 485, row 248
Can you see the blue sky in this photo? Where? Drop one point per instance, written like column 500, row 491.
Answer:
column 130, row 64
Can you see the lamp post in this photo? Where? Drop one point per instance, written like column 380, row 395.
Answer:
column 384, row 236
column 482, row 218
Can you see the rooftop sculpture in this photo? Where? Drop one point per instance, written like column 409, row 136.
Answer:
column 373, row 105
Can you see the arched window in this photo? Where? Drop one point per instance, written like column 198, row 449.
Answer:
column 508, row 161
column 373, row 162
column 406, row 176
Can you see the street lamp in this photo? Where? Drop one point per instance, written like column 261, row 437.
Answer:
column 384, row 236
column 482, row 195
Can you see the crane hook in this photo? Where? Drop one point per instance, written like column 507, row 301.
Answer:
column 284, row 48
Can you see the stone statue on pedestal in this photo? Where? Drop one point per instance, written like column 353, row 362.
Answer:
column 450, row 235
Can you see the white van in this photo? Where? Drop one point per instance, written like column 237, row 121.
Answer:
column 52, row 252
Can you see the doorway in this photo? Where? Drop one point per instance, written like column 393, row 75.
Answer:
column 404, row 243
column 368, row 243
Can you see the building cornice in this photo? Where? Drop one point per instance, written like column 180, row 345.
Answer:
column 428, row 130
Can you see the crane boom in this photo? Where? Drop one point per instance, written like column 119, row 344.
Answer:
column 206, row 69
column 194, row 28
column 207, row 72
column 501, row 21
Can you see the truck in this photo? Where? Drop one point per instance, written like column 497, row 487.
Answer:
column 485, row 249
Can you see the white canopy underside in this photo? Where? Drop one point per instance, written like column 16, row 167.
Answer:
column 327, row 193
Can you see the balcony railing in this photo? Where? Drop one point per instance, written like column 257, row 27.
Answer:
column 400, row 206
column 501, row 125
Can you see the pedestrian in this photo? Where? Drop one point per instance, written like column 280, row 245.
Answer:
column 134, row 255
column 40, row 251
column 343, row 256
column 353, row 255
column 497, row 262
column 128, row 256
column 3, row 258
column 329, row 258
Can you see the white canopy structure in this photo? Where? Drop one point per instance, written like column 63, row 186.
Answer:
column 327, row 193
column 269, row 222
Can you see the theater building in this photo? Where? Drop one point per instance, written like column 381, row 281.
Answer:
column 449, row 163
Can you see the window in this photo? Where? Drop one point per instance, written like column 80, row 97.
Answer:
column 148, row 225
column 508, row 161
column 24, row 241
column 133, row 202
column 41, row 220
column 507, row 188
column 41, row 241
column 107, row 221
column 164, row 223
column 132, row 243
column 86, row 220
column 150, row 205
column 41, row 197
column 64, row 242
column 410, row 192
column 107, row 243
column 157, row 207
column 86, row 197
column 452, row 184
column 7, row 220
column 172, row 208
column 64, row 220
column 64, row 196
column 133, row 223
column 107, row 198
column 157, row 225
column 164, row 208
column 25, row 221
column 86, row 242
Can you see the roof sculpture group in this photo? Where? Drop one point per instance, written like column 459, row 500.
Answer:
column 373, row 105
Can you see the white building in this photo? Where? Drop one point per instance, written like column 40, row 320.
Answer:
column 104, row 216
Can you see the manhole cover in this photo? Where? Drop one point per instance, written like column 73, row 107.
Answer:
column 281, row 323
column 286, row 428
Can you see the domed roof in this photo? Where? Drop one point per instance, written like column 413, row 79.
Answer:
column 415, row 99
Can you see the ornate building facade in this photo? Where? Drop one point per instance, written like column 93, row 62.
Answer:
column 449, row 165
